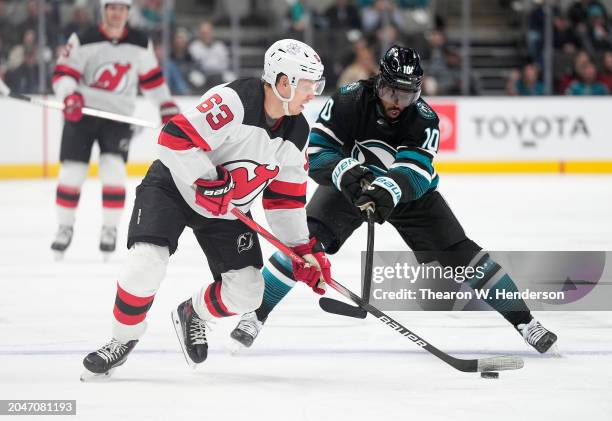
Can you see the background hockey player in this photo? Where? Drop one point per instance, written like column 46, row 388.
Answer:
column 244, row 139
column 381, row 131
column 102, row 68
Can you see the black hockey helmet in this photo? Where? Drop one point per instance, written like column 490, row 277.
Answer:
column 400, row 76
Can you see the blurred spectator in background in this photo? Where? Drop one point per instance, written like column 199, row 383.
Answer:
column 211, row 55
column 606, row 75
column 535, row 31
column 53, row 35
column 24, row 79
column 416, row 16
column 342, row 15
column 578, row 11
column 598, row 34
column 172, row 73
column 29, row 44
column 364, row 64
column 455, row 81
column 525, row 82
column 385, row 37
column 587, row 83
column 149, row 17
column 435, row 53
column 7, row 30
column 297, row 19
column 446, row 78
column 81, row 20
column 260, row 14
column 187, row 65
column 564, row 37
column 379, row 14
column 581, row 58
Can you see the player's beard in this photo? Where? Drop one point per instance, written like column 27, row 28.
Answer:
column 393, row 113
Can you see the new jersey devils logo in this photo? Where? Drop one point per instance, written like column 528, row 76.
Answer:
column 244, row 242
column 112, row 77
column 250, row 179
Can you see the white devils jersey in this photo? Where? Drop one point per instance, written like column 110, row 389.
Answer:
column 229, row 128
column 108, row 72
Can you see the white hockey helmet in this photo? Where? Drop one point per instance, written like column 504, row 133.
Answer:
column 104, row 3
column 298, row 61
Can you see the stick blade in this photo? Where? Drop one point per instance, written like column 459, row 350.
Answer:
column 500, row 363
column 341, row 308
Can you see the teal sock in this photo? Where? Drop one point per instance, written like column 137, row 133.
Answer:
column 494, row 278
column 278, row 277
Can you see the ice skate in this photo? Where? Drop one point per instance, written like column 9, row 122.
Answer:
column 537, row 335
column 108, row 241
column 63, row 238
column 245, row 333
column 101, row 363
column 191, row 333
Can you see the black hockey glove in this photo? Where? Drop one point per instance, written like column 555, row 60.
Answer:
column 350, row 177
column 382, row 195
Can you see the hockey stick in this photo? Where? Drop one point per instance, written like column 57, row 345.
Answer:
column 498, row 363
column 5, row 91
column 341, row 308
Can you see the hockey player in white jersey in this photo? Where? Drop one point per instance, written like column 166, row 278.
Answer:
column 245, row 139
column 103, row 67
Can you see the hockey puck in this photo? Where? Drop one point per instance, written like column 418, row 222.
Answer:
column 489, row 375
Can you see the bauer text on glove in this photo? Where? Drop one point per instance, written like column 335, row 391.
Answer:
column 215, row 195
column 382, row 195
column 350, row 177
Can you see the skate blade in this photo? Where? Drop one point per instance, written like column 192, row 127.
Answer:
column 58, row 256
column 87, row 376
column 554, row 352
column 176, row 322
column 235, row 347
column 106, row 255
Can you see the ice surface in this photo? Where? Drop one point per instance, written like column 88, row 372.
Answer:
column 306, row 364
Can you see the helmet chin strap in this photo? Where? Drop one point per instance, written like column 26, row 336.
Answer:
column 284, row 100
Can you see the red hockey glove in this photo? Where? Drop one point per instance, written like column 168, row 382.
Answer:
column 73, row 107
column 215, row 195
column 317, row 269
column 168, row 110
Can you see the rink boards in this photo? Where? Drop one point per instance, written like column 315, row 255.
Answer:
column 478, row 135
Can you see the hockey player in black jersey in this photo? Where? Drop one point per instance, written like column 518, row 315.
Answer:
column 381, row 131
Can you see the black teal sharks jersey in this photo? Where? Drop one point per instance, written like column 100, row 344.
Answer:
column 108, row 72
column 349, row 125
column 229, row 128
